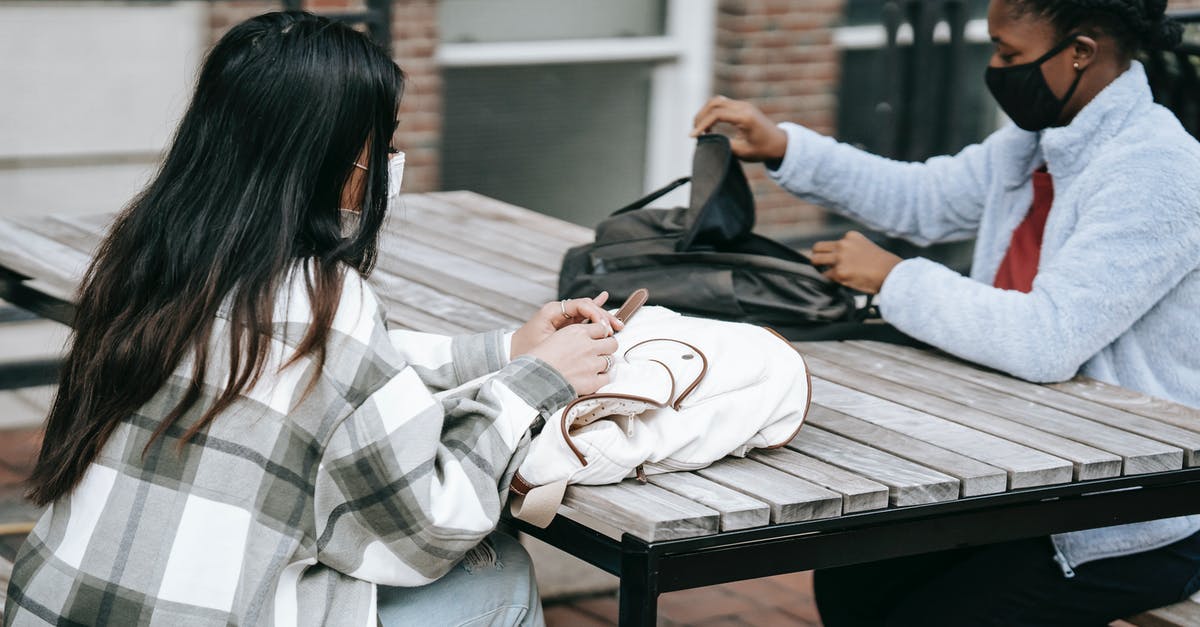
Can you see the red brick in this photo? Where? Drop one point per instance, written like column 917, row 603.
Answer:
column 772, row 617
column 693, row 606
column 603, row 607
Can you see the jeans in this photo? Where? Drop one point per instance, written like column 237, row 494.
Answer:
column 1011, row 583
column 493, row 594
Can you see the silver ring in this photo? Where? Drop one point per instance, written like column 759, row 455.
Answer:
column 608, row 363
column 562, row 305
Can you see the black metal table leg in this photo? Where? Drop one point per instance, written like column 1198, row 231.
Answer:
column 638, row 594
column 14, row 290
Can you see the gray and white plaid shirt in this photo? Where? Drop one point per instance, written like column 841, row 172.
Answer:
column 289, row 508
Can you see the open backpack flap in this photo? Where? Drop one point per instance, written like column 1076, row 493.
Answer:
column 684, row 392
column 704, row 259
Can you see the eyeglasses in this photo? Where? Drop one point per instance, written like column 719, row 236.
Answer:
column 392, row 152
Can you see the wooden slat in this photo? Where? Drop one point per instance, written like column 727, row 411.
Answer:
column 1186, row 613
column 54, row 264
column 790, row 497
column 496, row 288
column 439, row 303
column 84, row 233
column 646, row 511
column 447, row 242
column 1185, row 439
column 441, row 216
column 737, row 510
column 1025, row 466
column 834, row 362
column 908, row 483
column 1135, row 402
column 1141, row 454
column 858, row 493
column 975, row 477
column 468, row 291
column 98, row 223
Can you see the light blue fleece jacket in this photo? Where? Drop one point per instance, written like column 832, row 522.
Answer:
column 1117, row 292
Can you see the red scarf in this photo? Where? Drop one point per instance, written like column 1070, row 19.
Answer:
column 1020, row 263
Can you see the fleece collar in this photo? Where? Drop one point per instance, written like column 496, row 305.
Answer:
column 1069, row 148
column 1066, row 150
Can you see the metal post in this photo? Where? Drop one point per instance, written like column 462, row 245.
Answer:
column 381, row 26
column 955, row 12
column 638, row 593
column 923, row 114
column 891, row 108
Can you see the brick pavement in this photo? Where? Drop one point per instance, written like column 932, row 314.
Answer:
column 767, row 602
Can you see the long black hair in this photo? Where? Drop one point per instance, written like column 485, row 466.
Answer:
column 1134, row 24
column 249, row 191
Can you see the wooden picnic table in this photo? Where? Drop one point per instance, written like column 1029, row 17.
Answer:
column 904, row 451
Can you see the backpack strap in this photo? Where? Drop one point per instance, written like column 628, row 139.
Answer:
column 540, row 504
column 632, row 304
column 653, row 196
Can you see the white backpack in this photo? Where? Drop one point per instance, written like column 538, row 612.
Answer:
column 684, row 393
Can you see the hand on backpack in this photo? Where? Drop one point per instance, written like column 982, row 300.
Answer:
column 559, row 314
column 855, row 261
column 757, row 137
column 581, row 353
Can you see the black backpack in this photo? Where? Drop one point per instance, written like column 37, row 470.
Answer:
column 704, row 260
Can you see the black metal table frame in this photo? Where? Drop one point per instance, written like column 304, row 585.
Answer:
column 647, row 569
column 43, row 371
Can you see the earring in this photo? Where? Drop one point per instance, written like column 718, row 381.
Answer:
column 1077, row 65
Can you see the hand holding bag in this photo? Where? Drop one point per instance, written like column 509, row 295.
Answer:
column 704, row 259
column 684, row 393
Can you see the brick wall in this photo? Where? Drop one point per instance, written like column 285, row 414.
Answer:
column 780, row 55
column 414, row 42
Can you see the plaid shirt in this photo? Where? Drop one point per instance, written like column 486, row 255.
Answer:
column 289, row 508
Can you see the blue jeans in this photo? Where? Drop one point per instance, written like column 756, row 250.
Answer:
column 475, row 593
column 1009, row 584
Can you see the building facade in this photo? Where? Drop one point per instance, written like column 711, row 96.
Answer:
column 570, row 108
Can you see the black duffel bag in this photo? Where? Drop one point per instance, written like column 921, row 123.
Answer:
column 704, row 260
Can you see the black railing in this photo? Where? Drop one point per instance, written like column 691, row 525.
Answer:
column 922, row 106
column 1175, row 75
column 924, row 103
column 921, row 111
column 377, row 17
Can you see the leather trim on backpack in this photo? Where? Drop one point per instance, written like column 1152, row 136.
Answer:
column 808, row 382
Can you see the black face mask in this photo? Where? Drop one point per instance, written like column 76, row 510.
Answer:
column 1022, row 92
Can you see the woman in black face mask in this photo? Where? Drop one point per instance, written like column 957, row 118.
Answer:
column 1086, row 214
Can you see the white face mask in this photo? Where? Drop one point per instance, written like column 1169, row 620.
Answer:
column 395, row 175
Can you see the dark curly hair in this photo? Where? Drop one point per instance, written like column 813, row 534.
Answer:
column 1135, row 24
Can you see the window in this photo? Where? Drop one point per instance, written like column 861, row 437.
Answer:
column 572, row 109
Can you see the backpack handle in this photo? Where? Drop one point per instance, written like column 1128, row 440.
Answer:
column 653, row 196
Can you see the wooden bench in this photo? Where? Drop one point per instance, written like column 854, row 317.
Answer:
column 1182, row 614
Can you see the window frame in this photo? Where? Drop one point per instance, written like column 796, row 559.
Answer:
column 681, row 81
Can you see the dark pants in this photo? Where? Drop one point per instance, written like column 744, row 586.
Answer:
column 1012, row 583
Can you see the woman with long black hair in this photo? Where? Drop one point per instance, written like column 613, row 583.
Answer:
column 1086, row 214
column 237, row 438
